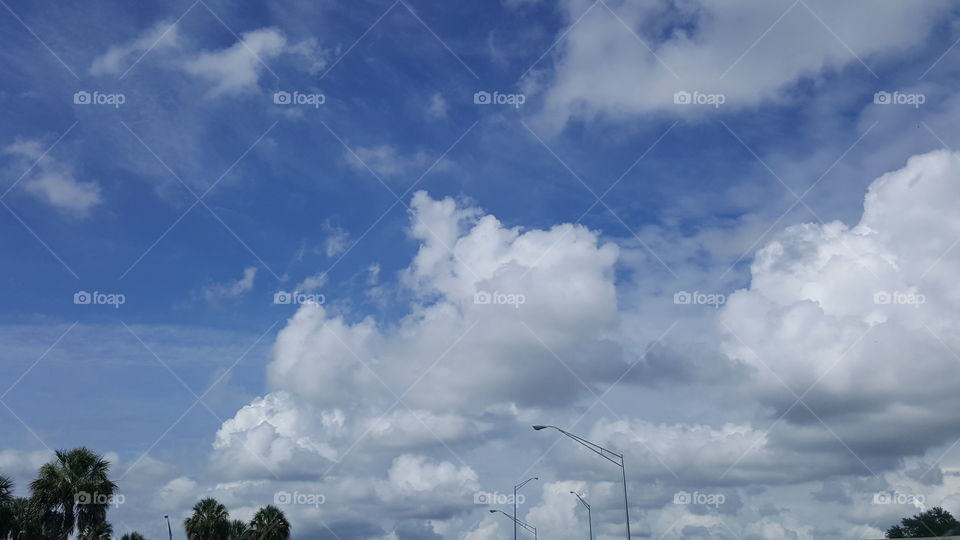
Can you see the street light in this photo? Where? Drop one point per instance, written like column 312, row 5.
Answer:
column 169, row 530
column 605, row 454
column 589, row 517
column 520, row 522
column 515, row 488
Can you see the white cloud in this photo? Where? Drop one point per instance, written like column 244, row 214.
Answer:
column 313, row 283
column 333, row 378
column 437, row 108
column 232, row 289
column 812, row 317
column 413, row 475
column 386, row 161
column 53, row 181
column 603, row 70
column 273, row 435
column 162, row 35
column 336, row 241
column 237, row 69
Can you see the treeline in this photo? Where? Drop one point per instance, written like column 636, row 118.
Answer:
column 72, row 493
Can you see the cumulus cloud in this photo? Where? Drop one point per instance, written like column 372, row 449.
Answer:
column 632, row 60
column 52, row 181
column 452, row 361
column 855, row 319
column 466, row 367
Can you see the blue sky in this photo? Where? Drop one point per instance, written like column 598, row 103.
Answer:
column 397, row 199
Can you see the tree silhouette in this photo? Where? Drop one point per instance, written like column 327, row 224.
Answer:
column 933, row 522
column 210, row 521
column 72, row 492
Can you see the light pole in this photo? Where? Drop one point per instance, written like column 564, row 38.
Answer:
column 605, row 454
column 589, row 517
column 515, row 488
column 169, row 530
column 516, row 522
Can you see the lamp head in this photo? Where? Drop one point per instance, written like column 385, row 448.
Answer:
column 539, row 427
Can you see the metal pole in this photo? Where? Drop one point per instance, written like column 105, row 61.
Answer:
column 626, row 505
column 590, row 522
column 514, row 512
column 602, row 452
column 169, row 529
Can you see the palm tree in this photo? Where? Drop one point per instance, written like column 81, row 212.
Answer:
column 100, row 531
column 269, row 523
column 6, row 510
column 210, row 521
column 133, row 536
column 25, row 522
column 238, row 530
column 72, row 492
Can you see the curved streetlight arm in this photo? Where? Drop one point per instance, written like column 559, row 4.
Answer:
column 592, row 446
column 581, row 499
column 521, row 484
column 602, row 452
column 518, row 521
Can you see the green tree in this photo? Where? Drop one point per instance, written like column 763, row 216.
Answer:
column 25, row 522
column 933, row 522
column 100, row 531
column 133, row 536
column 72, row 493
column 210, row 521
column 238, row 530
column 6, row 506
column 269, row 523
